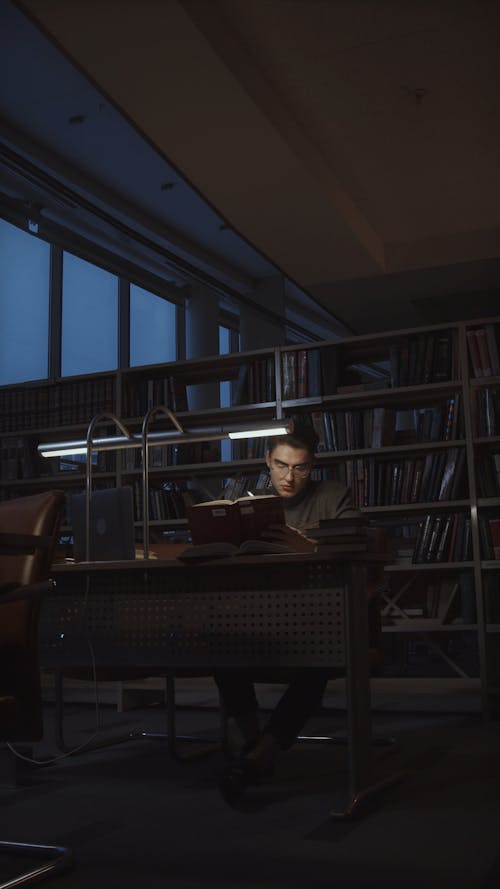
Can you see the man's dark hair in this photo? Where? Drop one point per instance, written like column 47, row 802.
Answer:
column 301, row 437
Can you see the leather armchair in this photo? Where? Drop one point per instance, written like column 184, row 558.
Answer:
column 28, row 534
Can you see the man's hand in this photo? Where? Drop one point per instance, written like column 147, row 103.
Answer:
column 291, row 537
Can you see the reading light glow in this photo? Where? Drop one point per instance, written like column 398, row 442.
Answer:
column 258, row 433
column 64, row 452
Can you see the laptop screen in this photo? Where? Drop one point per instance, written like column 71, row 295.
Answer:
column 112, row 525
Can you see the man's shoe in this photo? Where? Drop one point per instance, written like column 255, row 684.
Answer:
column 236, row 777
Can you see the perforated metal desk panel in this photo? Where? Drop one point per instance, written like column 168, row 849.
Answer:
column 248, row 612
column 259, row 612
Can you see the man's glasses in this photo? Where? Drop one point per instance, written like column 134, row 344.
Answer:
column 300, row 469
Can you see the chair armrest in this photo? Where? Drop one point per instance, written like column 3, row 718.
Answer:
column 15, row 593
column 12, row 544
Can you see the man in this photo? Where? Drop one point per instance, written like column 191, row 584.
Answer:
column 290, row 460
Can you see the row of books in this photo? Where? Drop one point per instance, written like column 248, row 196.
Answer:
column 166, row 502
column 488, row 412
column 241, row 484
column 439, row 476
column 443, row 422
column 444, row 538
column 249, row 448
column 306, row 373
column 20, row 460
column 139, row 395
column 484, row 350
column 422, row 358
column 255, row 382
column 316, row 372
column 69, row 402
column 488, row 475
column 166, row 456
column 160, row 457
column 489, row 531
column 419, row 359
column 377, row 427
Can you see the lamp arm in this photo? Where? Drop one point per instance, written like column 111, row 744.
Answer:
column 95, row 421
column 159, row 409
column 151, row 413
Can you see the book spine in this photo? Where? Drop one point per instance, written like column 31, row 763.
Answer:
column 302, row 382
column 475, row 358
column 289, row 371
column 484, row 356
column 270, row 380
column 327, row 431
column 457, row 485
column 458, row 551
column 428, row 359
column 441, row 368
column 317, row 419
column 422, row 539
column 422, row 339
column 492, row 344
column 447, row 474
column 443, row 542
column 450, row 549
column 394, row 364
column 486, row 540
column 495, row 536
column 313, row 373
column 434, row 537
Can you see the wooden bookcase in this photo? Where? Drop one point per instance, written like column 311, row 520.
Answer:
column 34, row 412
column 410, row 419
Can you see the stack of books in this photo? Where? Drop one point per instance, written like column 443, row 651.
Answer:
column 341, row 535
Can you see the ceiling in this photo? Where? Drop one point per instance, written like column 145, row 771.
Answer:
column 352, row 145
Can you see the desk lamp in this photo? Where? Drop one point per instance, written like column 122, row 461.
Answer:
column 144, row 440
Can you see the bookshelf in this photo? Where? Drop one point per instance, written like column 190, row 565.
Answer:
column 409, row 419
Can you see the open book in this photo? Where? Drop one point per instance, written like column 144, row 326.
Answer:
column 234, row 521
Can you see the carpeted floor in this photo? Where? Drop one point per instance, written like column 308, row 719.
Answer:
column 136, row 817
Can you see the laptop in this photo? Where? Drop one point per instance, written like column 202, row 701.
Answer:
column 112, row 525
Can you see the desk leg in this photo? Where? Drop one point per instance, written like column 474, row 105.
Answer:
column 357, row 687
column 359, row 727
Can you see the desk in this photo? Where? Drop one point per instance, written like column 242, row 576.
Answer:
column 267, row 612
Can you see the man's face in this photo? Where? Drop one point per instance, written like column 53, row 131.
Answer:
column 290, row 469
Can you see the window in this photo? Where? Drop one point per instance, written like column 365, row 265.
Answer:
column 24, row 305
column 228, row 342
column 152, row 328
column 224, row 349
column 89, row 318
